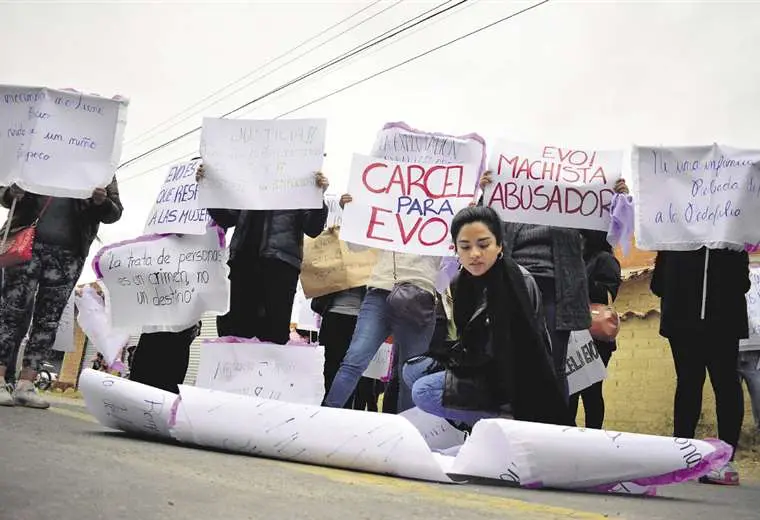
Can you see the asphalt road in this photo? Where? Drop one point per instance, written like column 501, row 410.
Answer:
column 60, row 464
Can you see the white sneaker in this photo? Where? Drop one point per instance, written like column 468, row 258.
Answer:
column 26, row 395
column 6, row 399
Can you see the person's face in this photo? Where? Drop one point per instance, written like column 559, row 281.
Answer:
column 477, row 248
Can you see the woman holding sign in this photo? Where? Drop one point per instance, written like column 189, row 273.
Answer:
column 266, row 252
column 501, row 365
column 42, row 283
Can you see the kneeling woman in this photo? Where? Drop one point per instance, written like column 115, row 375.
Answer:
column 501, row 365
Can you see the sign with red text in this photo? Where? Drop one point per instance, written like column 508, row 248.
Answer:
column 59, row 143
column 689, row 197
column 405, row 207
column 553, row 186
column 176, row 209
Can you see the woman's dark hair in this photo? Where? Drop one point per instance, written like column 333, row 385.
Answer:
column 483, row 214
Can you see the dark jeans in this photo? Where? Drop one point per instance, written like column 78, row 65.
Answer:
column 335, row 334
column 261, row 300
column 694, row 354
column 161, row 359
column 593, row 398
column 559, row 338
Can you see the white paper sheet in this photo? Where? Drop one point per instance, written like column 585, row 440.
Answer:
column 95, row 321
column 584, row 367
column 126, row 405
column 64, row 337
column 351, row 439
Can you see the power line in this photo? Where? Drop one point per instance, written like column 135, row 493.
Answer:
column 187, row 155
column 384, row 71
column 144, row 135
column 414, row 58
column 302, row 77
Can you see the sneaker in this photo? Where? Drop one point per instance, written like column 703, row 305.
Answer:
column 26, row 395
column 725, row 476
column 6, row 399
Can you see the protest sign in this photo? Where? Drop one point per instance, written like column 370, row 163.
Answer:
column 64, row 337
column 261, row 164
column 165, row 280
column 406, row 207
column 381, row 365
column 553, row 186
column 59, row 143
column 584, row 367
column 753, row 311
column 329, row 266
column 689, row 197
column 291, row 373
column 402, row 143
column 176, row 209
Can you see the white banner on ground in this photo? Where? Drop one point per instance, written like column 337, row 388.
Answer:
column 528, row 454
column 291, row 373
column 406, row 207
column 753, row 311
column 438, row 433
column 553, row 186
column 351, row 439
column 584, row 366
column 261, row 164
column 169, row 280
column 689, row 197
column 176, row 209
column 64, row 337
column 126, row 405
column 59, row 143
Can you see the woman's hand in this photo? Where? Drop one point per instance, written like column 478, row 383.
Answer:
column 199, row 173
column 621, row 187
column 346, row 198
column 485, row 179
column 99, row 196
column 322, row 181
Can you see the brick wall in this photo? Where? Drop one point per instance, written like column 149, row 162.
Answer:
column 640, row 384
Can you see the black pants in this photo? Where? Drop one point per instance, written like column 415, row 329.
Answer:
column 593, row 398
column 390, row 400
column 693, row 354
column 560, row 338
column 261, row 300
column 335, row 334
column 161, row 359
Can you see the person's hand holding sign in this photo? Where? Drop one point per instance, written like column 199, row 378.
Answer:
column 621, row 186
column 322, row 181
column 345, row 199
column 199, row 173
column 16, row 192
column 99, row 196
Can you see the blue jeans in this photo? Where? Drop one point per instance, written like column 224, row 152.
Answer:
column 748, row 371
column 373, row 326
column 427, row 393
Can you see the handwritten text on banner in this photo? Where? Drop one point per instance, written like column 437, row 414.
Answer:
column 696, row 196
column 406, row 207
column 165, row 280
column 59, row 143
column 261, row 164
column 553, row 186
column 176, row 209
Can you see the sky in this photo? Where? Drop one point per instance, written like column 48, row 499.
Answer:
column 600, row 75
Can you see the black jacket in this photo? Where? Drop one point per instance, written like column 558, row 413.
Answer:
column 278, row 232
column 678, row 280
column 89, row 216
column 503, row 356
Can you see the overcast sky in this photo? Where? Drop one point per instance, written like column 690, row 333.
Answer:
column 599, row 75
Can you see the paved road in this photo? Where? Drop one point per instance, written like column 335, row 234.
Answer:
column 60, row 464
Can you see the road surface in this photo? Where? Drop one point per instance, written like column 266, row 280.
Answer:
column 60, row 464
